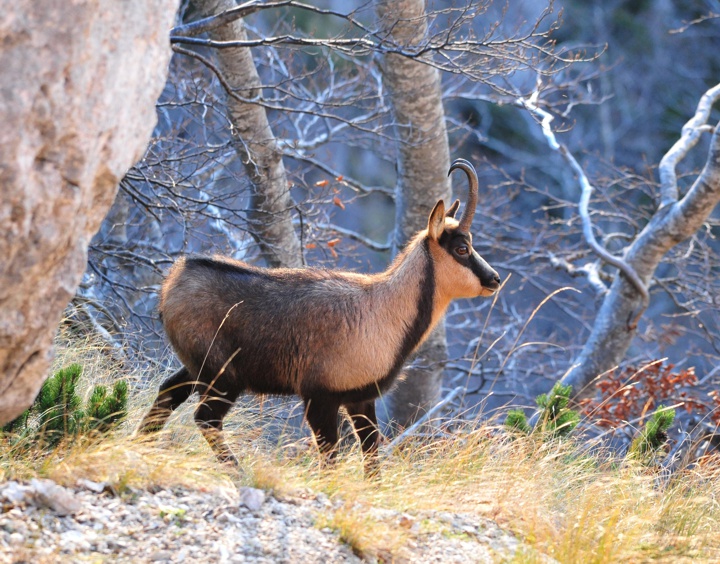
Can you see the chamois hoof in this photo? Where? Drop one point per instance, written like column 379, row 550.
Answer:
column 372, row 470
column 228, row 459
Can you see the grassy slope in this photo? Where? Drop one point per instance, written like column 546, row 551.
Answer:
column 574, row 506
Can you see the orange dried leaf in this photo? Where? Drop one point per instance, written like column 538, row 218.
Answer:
column 332, row 242
column 310, row 246
column 322, row 183
column 338, row 202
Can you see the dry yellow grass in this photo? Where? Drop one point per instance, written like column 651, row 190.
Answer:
column 575, row 506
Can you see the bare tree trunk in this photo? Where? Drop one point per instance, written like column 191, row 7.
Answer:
column 676, row 220
column 270, row 215
column 423, row 162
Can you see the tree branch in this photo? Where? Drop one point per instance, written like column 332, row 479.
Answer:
column 225, row 17
column 355, row 236
column 591, row 271
column 587, row 189
column 687, row 216
column 351, row 183
column 247, row 8
column 691, row 132
column 356, row 122
column 670, row 225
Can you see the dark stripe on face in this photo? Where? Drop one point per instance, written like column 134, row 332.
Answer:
column 450, row 240
column 482, row 270
column 413, row 334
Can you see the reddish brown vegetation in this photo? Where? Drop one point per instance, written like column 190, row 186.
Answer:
column 632, row 392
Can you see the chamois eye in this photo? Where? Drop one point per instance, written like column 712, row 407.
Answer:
column 462, row 250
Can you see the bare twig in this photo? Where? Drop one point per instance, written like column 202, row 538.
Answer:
column 701, row 19
column 351, row 183
column 455, row 50
column 228, row 16
column 357, row 122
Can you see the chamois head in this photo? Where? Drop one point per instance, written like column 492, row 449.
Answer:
column 461, row 271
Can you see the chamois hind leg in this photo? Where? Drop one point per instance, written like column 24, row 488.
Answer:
column 322, row 416
column 362, row 415
column 173, row 392
column 209, row 415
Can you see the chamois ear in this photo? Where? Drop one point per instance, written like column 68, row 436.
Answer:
column 453, row 209
column 436, row 223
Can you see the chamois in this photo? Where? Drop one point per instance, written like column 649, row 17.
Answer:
column 333, row 338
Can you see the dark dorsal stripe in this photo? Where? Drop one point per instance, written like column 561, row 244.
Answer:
column 413, row 334
column 222, row 267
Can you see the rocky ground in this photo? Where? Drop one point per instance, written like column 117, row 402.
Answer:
column 41, row 521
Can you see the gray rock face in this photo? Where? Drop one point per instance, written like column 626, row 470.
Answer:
column 78, row 88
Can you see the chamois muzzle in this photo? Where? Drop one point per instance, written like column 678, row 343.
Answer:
column 469, row 212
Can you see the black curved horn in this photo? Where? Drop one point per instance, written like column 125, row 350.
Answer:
column 469, row 211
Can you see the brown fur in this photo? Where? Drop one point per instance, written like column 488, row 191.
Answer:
column 334, row 338
column 357, row 320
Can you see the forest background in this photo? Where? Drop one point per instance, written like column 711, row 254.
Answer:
column 349, row 181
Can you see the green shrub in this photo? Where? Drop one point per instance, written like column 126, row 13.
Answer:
column 517, row 421
column 57, row 412
column 58, row 406
column 103, row 410
column 555, row 419
column 653, row 437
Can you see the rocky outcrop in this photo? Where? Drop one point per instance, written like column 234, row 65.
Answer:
column 78, row 88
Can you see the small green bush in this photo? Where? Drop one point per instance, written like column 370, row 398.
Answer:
column 58, row 411
column 58, row 406
column 556, row 419
column 517, row 421
column 653, row 437
column 103, row 410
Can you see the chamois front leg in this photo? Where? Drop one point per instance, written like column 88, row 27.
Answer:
column 322, row 416
column 362, row 415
